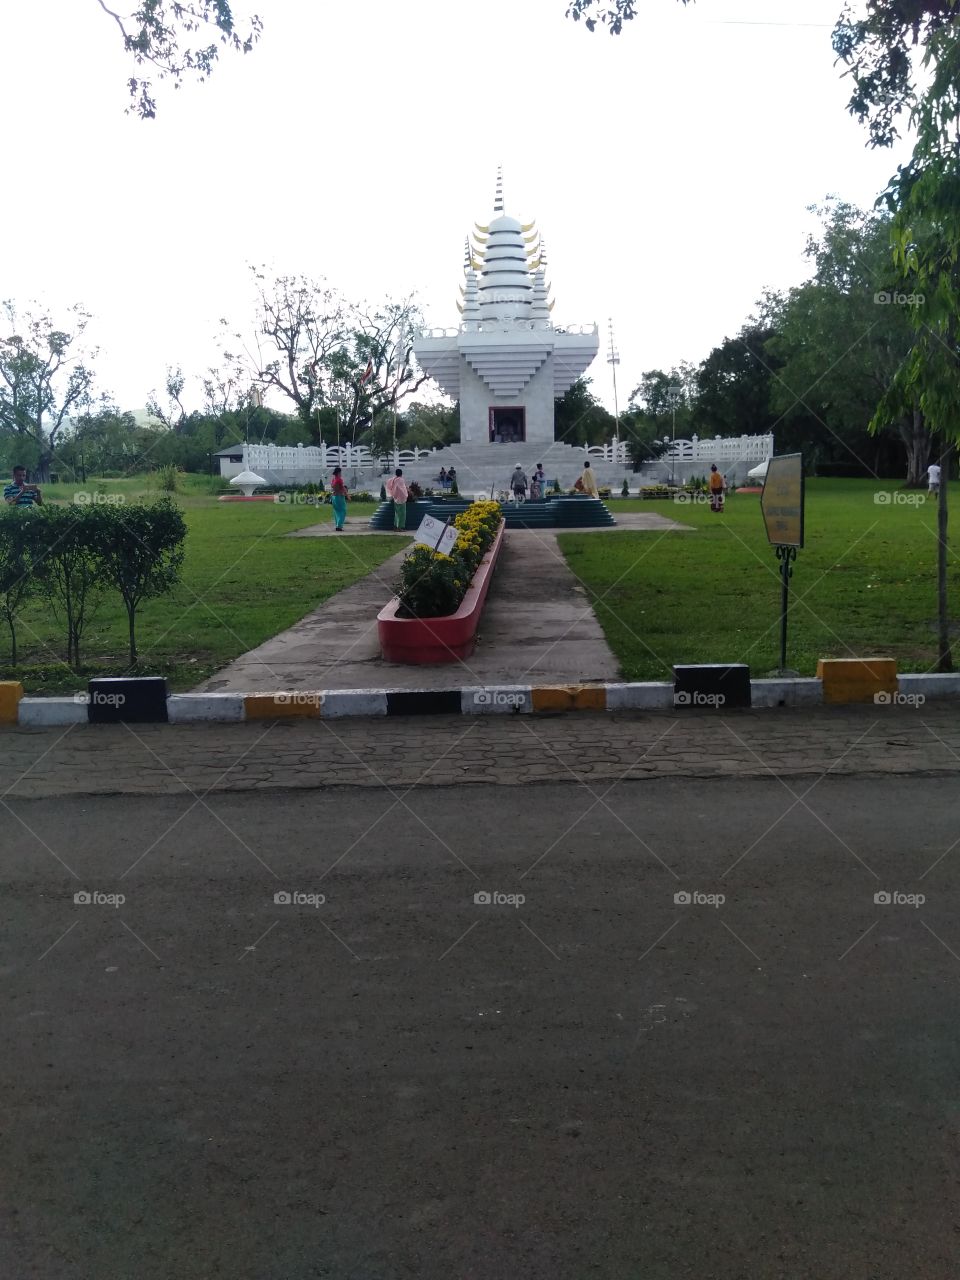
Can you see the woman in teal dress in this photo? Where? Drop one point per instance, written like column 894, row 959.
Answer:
column 339, row 491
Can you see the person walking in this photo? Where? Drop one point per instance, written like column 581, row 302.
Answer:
column 589, row 481
column 340, row 495
column 442, row 477
column 397, row 489
column 518, row 484
column 933, row 479
column 538, row 485
column 715, row 484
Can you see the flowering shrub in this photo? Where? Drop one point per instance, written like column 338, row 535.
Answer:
column 433, row 585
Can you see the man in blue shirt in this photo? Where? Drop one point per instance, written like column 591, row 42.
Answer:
column 19, row 493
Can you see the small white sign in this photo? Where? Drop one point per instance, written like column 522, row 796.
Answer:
column 435, row 534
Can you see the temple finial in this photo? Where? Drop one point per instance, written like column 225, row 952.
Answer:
column 498, row 198
column 466, row 253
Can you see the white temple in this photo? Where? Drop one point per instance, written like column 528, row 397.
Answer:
column 506, row 363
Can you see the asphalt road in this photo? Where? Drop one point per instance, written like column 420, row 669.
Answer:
column 401, row 1082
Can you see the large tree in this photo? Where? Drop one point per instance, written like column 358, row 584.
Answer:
column 839, row 340
column 178, row 40
column 733, row 385
column 877, row 46
column 324, row 353
column 580, row 418
column 925, row 200
column 45, row 377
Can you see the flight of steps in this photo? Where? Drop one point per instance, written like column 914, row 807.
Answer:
column 554, row 513
column 481, row 468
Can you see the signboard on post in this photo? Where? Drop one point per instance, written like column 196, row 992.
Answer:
column 782, row 501
column 436, row 534
column 782, row 505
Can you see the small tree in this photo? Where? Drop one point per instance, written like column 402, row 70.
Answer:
column 141, row 553
column 19, row 567
column 68, row 548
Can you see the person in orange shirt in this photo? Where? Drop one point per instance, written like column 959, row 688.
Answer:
column 716, row 489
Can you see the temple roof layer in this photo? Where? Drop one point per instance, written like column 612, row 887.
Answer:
column 507, row 334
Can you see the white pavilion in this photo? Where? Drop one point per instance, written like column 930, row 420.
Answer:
column 506, row 362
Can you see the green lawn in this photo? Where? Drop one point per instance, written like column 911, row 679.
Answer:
column 242, row 582
column 864, row 585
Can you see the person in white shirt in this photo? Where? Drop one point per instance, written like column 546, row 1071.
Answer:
column 933, row 478
column 397, row 489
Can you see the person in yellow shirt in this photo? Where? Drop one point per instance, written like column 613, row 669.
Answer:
column 716, row 489
column 589, row 481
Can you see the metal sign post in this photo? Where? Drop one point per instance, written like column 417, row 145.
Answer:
column 782, row 504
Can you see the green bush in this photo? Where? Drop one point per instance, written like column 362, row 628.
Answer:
column 72, row 555
column 167, row 479
column 625, row 488
column 433, row 585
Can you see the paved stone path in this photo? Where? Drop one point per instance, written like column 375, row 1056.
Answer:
column 578, row 749
column 537, row 627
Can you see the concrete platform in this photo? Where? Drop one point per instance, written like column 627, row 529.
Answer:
column 635, row 520
column 537, row 627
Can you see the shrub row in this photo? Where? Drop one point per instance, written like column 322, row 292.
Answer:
column 71, row 557
column 433, row 585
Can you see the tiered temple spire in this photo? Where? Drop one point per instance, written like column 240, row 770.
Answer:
column 508, row 257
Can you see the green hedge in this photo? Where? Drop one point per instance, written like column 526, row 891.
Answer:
column 72, row 556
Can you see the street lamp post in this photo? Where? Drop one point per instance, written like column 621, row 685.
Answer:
column 613, row 359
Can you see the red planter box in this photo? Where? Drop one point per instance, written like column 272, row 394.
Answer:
column 424, row 641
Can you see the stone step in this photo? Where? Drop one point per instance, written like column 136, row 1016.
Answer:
column 556, row 513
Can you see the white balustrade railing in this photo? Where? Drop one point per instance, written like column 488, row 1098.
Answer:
column 275, row 457
column 324, row 457
column 720, row 448
column 615, row 451
column 508, row 326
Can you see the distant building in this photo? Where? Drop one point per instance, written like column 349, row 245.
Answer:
column 230, row 460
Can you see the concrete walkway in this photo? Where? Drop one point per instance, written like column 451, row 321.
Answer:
column 537, row 627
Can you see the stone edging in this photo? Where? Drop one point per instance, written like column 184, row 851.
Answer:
column 191, row 708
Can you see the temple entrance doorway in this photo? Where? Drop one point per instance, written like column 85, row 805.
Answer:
column 508, row 425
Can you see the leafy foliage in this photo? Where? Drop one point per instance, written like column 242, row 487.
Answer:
column 44, row 377
column 875, row 47
column 21, row 565
column 580, row 418
column 326, row 354
column 925, row 198
column 72, row 554
column 140, row 553
column 178, row 40
column 433, row 585
column 68, row 556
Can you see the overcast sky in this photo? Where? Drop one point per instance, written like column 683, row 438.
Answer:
column 669, row 169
